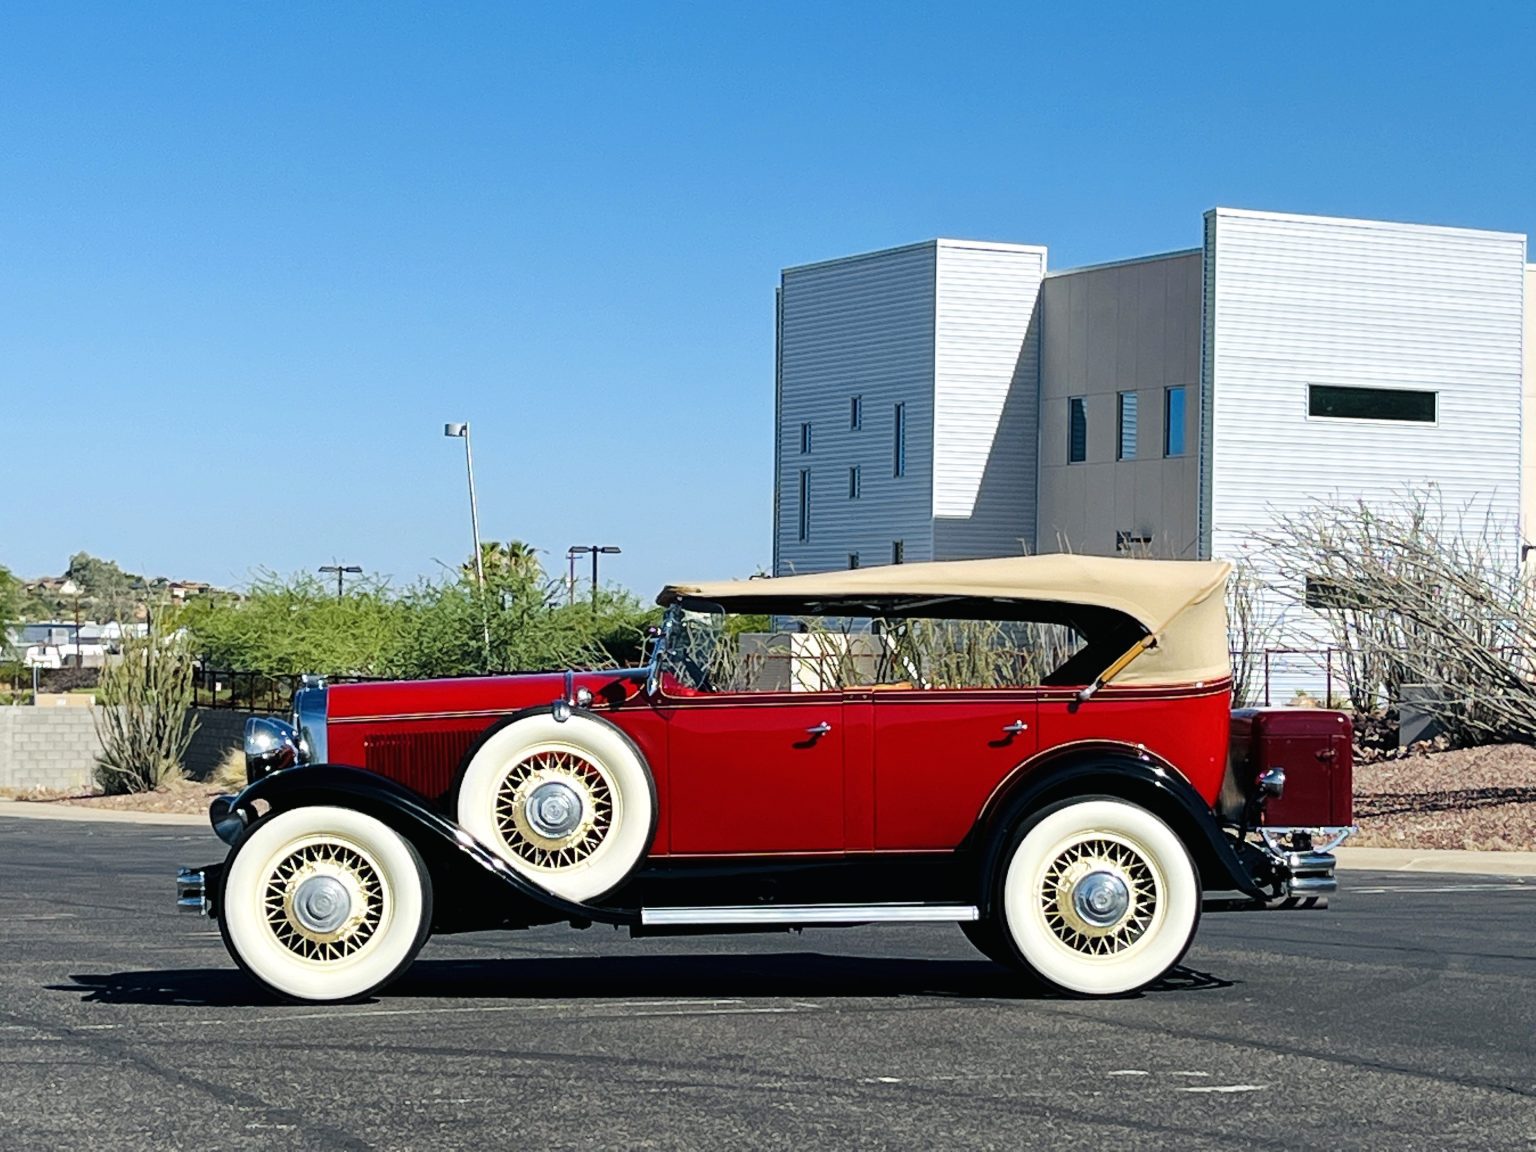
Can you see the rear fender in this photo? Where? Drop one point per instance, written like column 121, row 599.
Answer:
column 1131, row 774
column 471, row 885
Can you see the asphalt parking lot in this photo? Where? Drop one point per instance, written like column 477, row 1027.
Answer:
column 1403, row 1018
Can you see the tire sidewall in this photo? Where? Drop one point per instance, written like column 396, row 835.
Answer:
column 1037, row 842
column 633, row 826
column 403, row 927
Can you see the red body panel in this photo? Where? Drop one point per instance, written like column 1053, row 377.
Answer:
column 901, row 770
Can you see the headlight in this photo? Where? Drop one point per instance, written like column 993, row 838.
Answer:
column 270, row 745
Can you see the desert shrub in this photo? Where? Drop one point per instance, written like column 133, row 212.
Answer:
column 144, row 721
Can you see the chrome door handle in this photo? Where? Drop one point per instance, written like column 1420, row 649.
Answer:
column 819, row 730
column 1016, row 727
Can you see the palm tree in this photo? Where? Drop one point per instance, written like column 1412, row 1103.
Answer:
column 514, row 560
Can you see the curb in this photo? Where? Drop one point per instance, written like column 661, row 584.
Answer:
column 44, row 810
column 1438, row 860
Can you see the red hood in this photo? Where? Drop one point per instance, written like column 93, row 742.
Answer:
column 411, row 698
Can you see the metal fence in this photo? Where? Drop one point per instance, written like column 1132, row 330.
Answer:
column 242, row 691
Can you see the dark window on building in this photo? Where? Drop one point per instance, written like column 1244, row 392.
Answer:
column 855, row 483
column 898, row 551
column 899, row 446
column 1134, row 543
column 855, row 413
column 853, row 559
column 1173, row 421
column 805, row 438
column 1126, row 448
column 805, row 504
column 1077, row 430
column 1339, row 403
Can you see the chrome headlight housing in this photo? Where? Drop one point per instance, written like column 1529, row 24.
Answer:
column 272, row 744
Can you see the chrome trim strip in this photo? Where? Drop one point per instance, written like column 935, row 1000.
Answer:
column 794, row 914
column 309, row 720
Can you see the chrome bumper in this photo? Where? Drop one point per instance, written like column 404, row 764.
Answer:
column 191, row 892
column 1303, row 858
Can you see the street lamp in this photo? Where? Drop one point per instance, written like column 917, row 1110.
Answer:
column 342, row 571
column 462, row 430
column 452, row 430
column 576, row 550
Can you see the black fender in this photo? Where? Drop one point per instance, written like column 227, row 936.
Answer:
column 1130, row 774
column 463, row 872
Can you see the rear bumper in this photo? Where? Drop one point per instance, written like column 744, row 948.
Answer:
column 1303, row 858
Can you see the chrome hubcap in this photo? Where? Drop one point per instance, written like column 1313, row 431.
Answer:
column 321, row 904
column 554, row 809
column 1101, row 898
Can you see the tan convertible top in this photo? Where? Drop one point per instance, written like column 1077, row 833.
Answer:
column 1179, row 603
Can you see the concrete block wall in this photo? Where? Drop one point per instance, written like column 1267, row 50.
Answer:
column 47, row 747
column 56, row 748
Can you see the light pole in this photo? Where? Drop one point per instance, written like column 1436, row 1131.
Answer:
column 570, row 576
column 576, row 550
column 342, row 572
column 474, row 525
column 462, row 430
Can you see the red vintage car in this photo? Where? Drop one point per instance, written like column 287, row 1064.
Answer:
column 1040, row 749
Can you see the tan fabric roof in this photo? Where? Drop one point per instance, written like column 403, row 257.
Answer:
column 1156, row 593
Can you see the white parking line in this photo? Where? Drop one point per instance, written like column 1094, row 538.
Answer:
column 1224, row 1088
column 1446, row 888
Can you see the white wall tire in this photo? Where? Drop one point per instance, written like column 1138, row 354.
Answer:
column 281, row 917
column 571, row 806
column 1099, row 897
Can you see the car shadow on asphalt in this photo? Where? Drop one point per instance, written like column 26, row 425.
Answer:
column 745, row 977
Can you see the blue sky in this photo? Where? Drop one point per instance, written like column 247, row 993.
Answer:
column 253, row 257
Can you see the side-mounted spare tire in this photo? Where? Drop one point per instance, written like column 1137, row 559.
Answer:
column 569, row 804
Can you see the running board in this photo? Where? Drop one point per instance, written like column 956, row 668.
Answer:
column 798, row 914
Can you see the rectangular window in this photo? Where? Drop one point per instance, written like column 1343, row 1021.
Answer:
column 1126, row 449
column 805, row 438
column 805, row 504
column 855, row 483
column 898, row 551
column 1173, row 421
column 1077, row 430
column 855, row 413
column 853, row 559
column 899, row 448
column 1336, row 403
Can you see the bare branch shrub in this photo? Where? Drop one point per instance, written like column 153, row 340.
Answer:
column 1414, row 595
column 1250, row 630
column 143, row 721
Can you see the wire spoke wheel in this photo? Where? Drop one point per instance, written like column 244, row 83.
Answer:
column 1099, row 896
column 324, row 901
column 567, row 803
column 554, row 808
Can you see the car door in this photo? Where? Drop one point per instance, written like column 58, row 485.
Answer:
column 754, row 773
column 938, row 755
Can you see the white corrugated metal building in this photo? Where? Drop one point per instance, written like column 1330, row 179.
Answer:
column 954, row 399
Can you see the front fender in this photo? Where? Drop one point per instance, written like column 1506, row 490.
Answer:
column 1113, row 770
column 463, row 871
